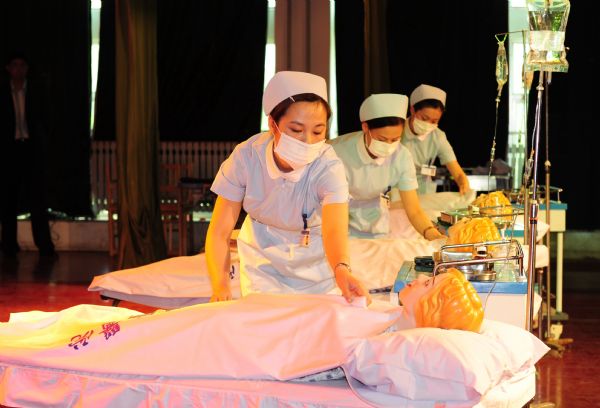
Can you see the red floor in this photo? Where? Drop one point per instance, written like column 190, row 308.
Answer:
column 32, row 284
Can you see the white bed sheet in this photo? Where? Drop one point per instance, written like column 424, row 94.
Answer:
column 43, row 387
column 157, row 360
column 183, row 281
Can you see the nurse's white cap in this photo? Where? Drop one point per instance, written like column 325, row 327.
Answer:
column 383, row 106
column 423, row 92
column 285, row 84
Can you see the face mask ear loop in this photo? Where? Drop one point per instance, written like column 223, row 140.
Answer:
column 276, row 127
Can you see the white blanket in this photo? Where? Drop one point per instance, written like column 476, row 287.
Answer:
column 182, row 281
column 257, row 337
column 72, row 355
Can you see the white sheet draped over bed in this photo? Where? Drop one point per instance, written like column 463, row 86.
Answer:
column 111, row 356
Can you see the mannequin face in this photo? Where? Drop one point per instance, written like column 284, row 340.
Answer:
column 415, row 290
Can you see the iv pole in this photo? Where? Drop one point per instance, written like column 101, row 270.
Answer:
column 547, row 166
column 533, row 203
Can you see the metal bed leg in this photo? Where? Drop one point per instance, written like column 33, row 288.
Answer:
column 115, row 302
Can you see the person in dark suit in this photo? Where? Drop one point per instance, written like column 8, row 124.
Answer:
column 21, row 159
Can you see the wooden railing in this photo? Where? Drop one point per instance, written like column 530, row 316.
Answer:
column 205, row 157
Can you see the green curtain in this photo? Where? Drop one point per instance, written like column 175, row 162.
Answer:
column 141, row 234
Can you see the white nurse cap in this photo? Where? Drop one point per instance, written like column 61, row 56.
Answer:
column 383, row 106
column 423, row 92
column 289, row 83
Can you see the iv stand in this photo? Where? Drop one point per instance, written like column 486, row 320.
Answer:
column 533, row 204
column 547, row 166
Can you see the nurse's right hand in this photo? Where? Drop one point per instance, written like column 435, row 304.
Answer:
column 221, row 294
column 350, row 286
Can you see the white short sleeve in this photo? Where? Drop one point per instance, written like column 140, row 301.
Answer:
column 332, row 187
column 230, row 181
column 405, row 166
column 445, row 151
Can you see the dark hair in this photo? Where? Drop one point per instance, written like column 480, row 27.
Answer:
column 384, row 122
column 429, row 103
column 282, row 107
column 17, row 55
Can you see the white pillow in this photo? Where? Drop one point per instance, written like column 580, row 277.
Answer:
column 438, row 364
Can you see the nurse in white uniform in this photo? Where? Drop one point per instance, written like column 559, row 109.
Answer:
column 376, row 163
column 427, row 142
column 293, row 188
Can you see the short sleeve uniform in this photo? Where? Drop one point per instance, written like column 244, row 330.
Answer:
column 424, row 152
column 271, row 257
column 368, row 179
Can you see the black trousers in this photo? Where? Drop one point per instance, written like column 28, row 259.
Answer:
column 23, row 182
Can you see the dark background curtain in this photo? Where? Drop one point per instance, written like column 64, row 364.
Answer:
column 452, row 46
column 55, row 36
column 211, row 58
column 573, row 102
column 210, row 69
column 350, row 52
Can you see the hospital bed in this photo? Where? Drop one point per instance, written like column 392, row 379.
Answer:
column 408, row 368
column 190, row 357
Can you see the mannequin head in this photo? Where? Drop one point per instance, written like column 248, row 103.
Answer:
column 448, row 302
column 472, row 230
column 494, row 204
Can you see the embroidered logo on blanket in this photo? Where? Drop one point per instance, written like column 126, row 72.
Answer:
column 110, row 329
column 81, row 340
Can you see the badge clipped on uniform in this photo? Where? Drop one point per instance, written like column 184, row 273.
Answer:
column 384, row 198
column 305, row 234
column 428, row 170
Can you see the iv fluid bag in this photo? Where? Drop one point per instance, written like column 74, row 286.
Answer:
column 547, row 25
column 501, row 67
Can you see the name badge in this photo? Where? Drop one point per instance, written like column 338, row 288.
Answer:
column 384, row 200
column 305, row 238
column 428, row 170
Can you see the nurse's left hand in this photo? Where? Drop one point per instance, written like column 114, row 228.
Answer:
column 350, row 286
column 221, row 294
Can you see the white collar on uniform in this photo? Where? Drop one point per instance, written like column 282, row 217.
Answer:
column 274, row 171
column 364, row 155
column 411, row 135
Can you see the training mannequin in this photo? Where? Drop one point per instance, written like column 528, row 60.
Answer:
column 447, row 301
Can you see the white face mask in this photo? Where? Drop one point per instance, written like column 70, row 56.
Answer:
column 423, row 128
column 382, row 149
column 295, row 152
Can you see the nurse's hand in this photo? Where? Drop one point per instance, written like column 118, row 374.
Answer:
column 221, row 294
column 463, row 184
column 350, row 286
